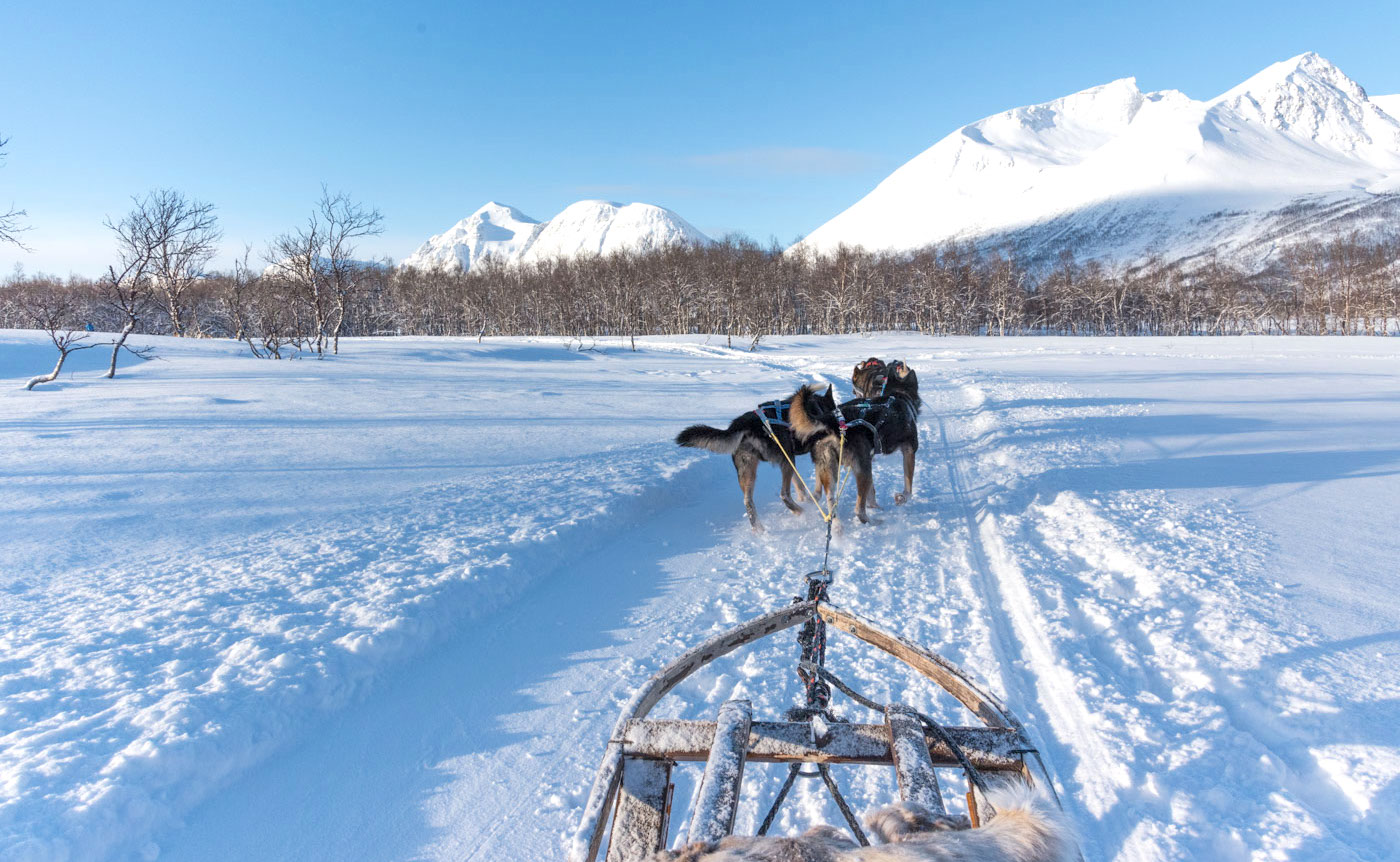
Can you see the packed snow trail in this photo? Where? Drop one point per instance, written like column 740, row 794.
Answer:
column 1112, row 533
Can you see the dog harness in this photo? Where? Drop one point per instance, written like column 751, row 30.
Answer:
column 774, row 412
column 866, row 406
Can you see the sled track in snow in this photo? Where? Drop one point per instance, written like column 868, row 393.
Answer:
column 1009, row 638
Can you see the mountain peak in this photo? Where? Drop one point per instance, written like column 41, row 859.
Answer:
column 494, row 211
column 1306, row 73
column 1308, row 97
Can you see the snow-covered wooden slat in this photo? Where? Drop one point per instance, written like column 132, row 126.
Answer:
column 589, row 837
column 639, row 828
column 918, row 783
column 717, row 800
column 989, row 749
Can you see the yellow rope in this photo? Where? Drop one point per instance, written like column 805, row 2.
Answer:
column 827, row 514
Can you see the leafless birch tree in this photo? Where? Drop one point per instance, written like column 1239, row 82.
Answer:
column 55, row 314
column 182, row 235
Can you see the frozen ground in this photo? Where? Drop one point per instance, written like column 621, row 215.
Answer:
column 386, row 606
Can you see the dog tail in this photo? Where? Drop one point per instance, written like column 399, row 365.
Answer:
column 804, row 425
column 712, row 439
column 1029, row 826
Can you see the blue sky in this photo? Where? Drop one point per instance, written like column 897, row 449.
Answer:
column 765, row 118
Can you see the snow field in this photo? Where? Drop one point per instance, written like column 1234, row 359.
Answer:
column 1121, row 536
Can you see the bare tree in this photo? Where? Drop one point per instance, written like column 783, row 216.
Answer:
column 345, row 222
column 294, row 267
column 55, row 314
column 128, row 283
column 11, row 222
column 182, row 235
column 317, row 263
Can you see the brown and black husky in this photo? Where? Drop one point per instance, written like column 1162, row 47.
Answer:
column 748, row 442
column 878, row 425
column 870, row 378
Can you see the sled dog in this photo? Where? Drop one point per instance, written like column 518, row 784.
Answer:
column 870, row 378
column 1027, row 827
column 874, row 425
column 747, row 441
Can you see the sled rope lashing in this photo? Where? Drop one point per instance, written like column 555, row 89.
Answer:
column 918, row 781
column 631, row 797
column 817, row 712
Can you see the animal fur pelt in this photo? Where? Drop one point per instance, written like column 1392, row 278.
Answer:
column 1027, row 827
column 748, row 442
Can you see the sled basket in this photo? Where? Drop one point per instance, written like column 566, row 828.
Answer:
column 633, row 784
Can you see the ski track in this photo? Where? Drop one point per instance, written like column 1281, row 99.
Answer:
column 1095, row 604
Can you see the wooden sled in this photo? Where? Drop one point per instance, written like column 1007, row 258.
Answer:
column 634, row 780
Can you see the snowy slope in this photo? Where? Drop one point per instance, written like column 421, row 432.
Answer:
column 340, row 610
column 1389, row 104
column 583, row 228
column 1112, row 172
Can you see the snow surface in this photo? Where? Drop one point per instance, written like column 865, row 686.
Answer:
column 1389, row 104
column 1112, row 172
column 383, row 606
column 583, row 228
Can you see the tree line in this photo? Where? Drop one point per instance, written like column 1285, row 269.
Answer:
column 307, row 289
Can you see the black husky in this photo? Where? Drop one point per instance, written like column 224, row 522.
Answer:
column 747, row 440
column 874, row 426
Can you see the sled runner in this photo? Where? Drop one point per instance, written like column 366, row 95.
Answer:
column 630, row 803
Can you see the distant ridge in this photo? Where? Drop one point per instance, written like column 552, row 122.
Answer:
column 584, row 228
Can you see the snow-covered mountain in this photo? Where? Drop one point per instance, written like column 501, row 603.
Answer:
column 494, row 230
column 583, row 228
column 1114, row 173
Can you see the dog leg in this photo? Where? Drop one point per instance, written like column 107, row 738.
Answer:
column 901, row 499
column 824, row 459
column 865, row 490
column 746, row 465
column 786, row 496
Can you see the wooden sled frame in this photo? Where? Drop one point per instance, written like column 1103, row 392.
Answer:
column 634, row 777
